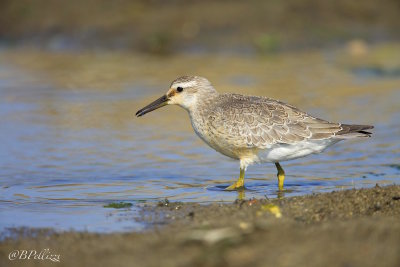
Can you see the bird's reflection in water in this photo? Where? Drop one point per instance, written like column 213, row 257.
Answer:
column 280, row 194
column 241, row 194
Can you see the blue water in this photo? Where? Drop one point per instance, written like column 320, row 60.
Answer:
column 65, row 153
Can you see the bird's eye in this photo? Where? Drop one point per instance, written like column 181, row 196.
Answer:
column 179, row 89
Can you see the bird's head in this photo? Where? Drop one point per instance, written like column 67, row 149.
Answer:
column 184, row 91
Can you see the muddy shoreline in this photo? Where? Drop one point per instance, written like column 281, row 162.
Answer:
column 345, row 228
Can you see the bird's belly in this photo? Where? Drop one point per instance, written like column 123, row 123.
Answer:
column 282, row 152
column 217, row 142
column 223, row 148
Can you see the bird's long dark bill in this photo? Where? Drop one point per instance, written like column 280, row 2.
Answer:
column 162, row 101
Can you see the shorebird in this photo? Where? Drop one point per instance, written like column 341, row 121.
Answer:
column 252, row 129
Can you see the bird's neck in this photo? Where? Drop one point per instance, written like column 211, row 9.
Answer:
column 201, row 103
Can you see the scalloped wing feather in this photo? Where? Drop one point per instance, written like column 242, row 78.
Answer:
column 259, row 122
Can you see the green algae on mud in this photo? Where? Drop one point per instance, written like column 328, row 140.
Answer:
column 358, row 227
column 118, row 205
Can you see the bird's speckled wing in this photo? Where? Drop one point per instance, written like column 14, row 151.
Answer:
column 249, row 121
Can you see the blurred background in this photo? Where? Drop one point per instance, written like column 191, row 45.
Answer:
column 164, row 27
column 73, row 74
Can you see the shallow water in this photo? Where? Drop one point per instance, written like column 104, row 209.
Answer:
column 71, row 143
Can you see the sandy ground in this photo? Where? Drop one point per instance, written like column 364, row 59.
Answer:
column 345, row 228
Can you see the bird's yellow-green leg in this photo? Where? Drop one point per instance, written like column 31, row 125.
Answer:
column 281, row 176
column 240, row 182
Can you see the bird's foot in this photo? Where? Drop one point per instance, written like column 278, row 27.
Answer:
column 236, row 186
column 239, row 184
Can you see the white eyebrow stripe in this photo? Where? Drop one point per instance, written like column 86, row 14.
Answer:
column 185, row 84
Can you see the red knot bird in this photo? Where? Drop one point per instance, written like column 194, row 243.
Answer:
column 252, row 129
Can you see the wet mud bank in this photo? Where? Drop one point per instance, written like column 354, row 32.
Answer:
column 344, row 228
